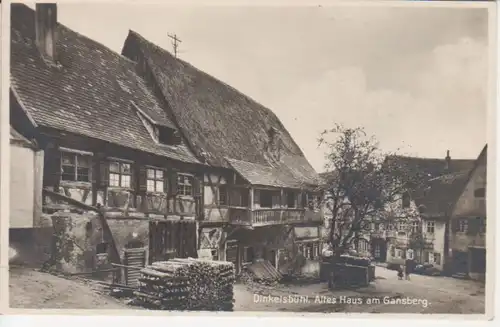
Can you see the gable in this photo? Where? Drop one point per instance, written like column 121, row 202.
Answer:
column 469, row 204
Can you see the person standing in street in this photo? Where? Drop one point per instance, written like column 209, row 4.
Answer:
column 408, row 268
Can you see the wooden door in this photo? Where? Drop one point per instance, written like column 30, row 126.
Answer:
column 169, row 239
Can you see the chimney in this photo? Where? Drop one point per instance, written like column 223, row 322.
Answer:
column 45, row 28
column 448, row 160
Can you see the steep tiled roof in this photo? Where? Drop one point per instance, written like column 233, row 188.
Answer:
column 92, row 93
column 431, row 167
column 219, row 121
column 438, row 196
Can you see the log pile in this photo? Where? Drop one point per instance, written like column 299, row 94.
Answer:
column 187, row 284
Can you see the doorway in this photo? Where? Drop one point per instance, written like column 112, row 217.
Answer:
column 460, row 262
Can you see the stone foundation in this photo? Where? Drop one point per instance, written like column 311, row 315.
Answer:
column 82, row 245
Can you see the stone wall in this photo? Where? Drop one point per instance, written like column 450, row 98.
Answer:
column 82, row 246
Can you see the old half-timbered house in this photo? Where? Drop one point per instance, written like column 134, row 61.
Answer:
column 256, row 208
column 467, row 234
column 116, row 172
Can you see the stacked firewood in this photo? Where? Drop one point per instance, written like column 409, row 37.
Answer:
column 187, row 284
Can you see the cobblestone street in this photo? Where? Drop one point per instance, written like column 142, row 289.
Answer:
column 428, row 295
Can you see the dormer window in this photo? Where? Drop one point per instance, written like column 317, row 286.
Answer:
column 167, row 136
column 160, row 132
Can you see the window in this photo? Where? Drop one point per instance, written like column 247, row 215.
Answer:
column 222, row 194
column 155, row 180
column 377, row 251
column 119, row 174
column 437, row 258
column 215, row 254
column 463, row 226
column 376, row 227
column 101, row 248
column 239, row 197
column 362, row 246
column 266, row 199
column 248, row 254
column 185, row 184
column 406, row 200
column 316, row 250
column 75, row 167
column 290, row 199
column 401, row 227
column 482, row 225
column 430, row 227
column 399, row 253
column 480, row 192
column 393, row 251
column 414, row 227
column 309, row 251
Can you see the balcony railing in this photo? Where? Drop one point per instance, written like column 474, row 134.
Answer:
column 268, row 216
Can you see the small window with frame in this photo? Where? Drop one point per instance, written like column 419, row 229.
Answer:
column 431, row 226
column 185, row 184
column 415, row 227
column 222, row 195
column 155, row 180
column 75, row 167
column 463, row 226
column 120, row 174
column 482, row 225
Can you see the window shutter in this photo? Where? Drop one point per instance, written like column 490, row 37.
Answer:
column 53, row 171
column 93, row 171
column 166, row 181
column 172, row 182
column 196, row 187
column 103, row 171
column 143, row 178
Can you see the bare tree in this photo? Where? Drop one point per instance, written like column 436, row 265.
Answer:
column 363, row 185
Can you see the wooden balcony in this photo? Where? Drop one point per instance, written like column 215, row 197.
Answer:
column 268, row 216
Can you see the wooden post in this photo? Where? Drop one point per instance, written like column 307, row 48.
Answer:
column 37, row 187
column 250, row 204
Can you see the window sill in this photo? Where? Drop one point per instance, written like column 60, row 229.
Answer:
column 156, row 193
column 75, row 184
column 118, row 188
column 184, row 197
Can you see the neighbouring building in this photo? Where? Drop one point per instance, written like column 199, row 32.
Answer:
column 142, row 150
column 260, row 203
column 28, row 234
column 467, row 235
column 423, row 236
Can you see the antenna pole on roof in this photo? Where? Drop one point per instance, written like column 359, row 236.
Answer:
column 175, row 42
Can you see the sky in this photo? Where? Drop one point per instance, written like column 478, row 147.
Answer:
column 415, row 78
